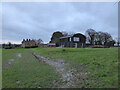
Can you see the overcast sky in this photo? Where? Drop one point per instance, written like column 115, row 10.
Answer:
column 36, row 20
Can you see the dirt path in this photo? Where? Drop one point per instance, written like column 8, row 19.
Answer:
column 66, row 74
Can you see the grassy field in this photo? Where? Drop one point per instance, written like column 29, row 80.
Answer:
column 101, row 64
column 22, row 70
column 94, row 67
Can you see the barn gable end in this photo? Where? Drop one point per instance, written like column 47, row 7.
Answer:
column 74, row 41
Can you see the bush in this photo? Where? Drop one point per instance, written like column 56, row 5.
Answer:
column 8, row 47
column 63, row 50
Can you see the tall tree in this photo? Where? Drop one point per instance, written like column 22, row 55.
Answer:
column 90, row 33
column 107, row 38
column 9, row 44
column 100, row 38
column 56, row 36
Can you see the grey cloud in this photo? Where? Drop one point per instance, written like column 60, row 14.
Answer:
column 40, row 19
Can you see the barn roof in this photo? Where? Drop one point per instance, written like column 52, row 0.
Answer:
column 66, row 36
column 70, row 36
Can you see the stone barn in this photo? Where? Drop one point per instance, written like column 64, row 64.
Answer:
column 74, row 41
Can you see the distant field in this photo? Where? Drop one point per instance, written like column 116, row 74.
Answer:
column 93, row 68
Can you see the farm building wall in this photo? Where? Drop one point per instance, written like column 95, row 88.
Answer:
column 76, row 41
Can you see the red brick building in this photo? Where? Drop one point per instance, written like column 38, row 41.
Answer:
column 29, row 43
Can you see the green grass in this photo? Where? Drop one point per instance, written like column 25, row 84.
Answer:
column 25, row 71
column 101, row 63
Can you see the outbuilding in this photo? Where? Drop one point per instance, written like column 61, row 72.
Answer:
column 51, row 45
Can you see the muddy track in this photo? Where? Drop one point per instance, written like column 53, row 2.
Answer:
column 66, row 75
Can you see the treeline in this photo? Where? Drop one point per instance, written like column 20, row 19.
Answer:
column 99, row 38
column 9, row 45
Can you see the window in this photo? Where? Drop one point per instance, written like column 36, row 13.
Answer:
column 70, row 39
column 76, row 38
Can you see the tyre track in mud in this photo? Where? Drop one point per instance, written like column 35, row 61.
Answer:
column 66, row 74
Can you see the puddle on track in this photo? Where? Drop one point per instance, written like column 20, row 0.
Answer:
column 19, row 55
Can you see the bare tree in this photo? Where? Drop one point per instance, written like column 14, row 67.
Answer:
column 98, row 38
column 40, row 41
column 90, row 33
column 101, row 38
column 107, row 38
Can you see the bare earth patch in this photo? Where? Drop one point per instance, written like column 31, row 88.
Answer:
column 10, row 61
column 66, row 75
column 8, row 64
